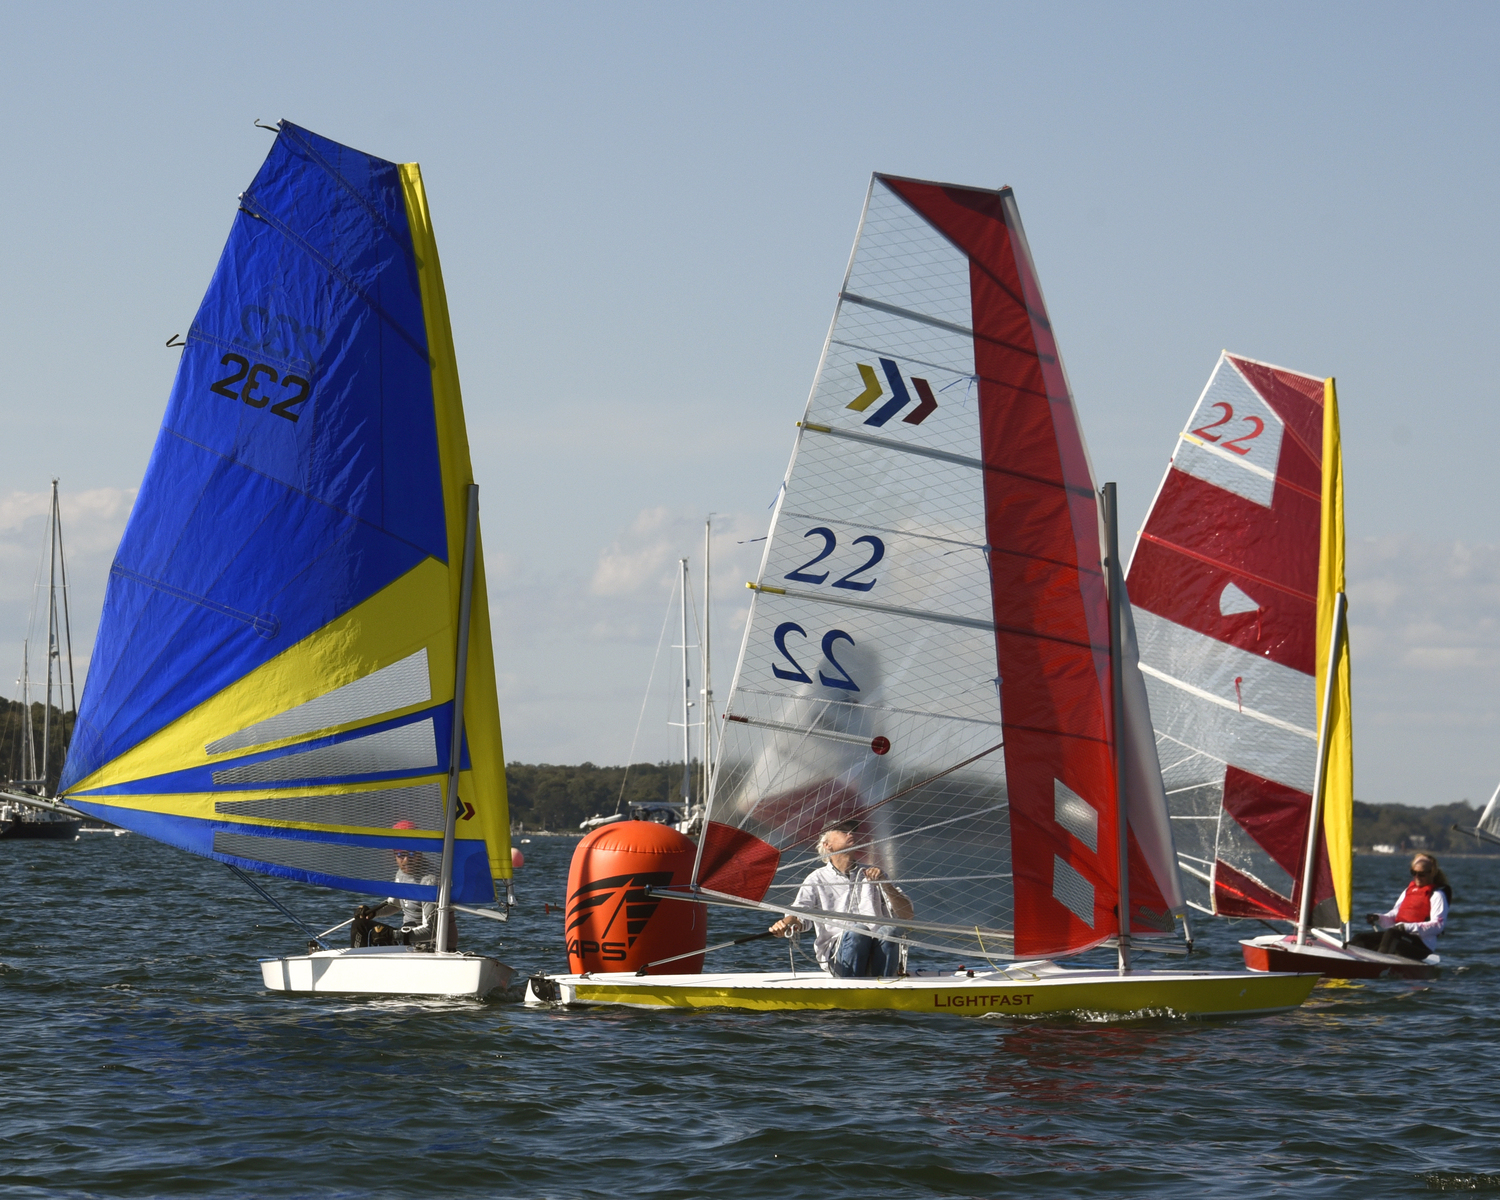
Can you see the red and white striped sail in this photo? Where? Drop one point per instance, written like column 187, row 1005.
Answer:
column 1224, row 580
column 927, row 654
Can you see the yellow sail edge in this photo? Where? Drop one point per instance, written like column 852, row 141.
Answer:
column 1338, row 784
column 481, row 704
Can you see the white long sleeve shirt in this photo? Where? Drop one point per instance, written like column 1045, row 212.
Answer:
column 1427, row 930
column 829, row 890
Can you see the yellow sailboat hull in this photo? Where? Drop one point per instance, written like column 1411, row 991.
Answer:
column 1033, row 990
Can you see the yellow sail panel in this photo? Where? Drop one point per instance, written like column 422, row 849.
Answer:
column 406, row 618
column 1338, row 786
column 487, row 791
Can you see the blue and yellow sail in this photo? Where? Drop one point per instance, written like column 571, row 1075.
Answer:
column 273, row 680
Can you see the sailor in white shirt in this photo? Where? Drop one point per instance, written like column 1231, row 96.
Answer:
column 850, row 949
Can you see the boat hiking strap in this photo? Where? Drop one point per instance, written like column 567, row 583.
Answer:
column 278, row 906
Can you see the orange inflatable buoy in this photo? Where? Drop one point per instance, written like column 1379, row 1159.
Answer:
column 612, row 923
column 517, row 859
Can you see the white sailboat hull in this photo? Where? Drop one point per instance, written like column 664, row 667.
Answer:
column 1028, row 990
column 385, row 971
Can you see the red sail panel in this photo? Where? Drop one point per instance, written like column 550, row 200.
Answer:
column 736, row 862
column 1239, row 895
column 1050, row 604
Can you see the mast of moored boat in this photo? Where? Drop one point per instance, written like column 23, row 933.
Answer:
column 455, row 747
column 687, row 688
column 1117, row 706
column 706, row 717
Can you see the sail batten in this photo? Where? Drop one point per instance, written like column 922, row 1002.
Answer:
column 273, row 683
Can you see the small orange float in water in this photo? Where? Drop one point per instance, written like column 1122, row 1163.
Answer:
column 517, row 859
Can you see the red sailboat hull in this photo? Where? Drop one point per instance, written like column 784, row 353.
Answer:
column 1335, row 962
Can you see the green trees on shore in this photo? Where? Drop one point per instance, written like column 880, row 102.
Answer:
column 13, row 740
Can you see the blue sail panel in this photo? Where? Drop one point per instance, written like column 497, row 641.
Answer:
column 272, row 683
column 263, row 515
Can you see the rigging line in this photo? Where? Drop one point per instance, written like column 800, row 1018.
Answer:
column 728, row 900
column 906, row 358
column 890, row 610
column 1178, row 741
column 277, row 905
column 962, row 460
column 1181, row 761
column 907, row 314
column 973, row 758
column 880, row 708
column 898, row 882
column 1194, row 787
column 646, row 699
column 911, row 533
column 802, row 862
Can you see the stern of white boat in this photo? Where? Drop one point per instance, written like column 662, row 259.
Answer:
column 386, row 971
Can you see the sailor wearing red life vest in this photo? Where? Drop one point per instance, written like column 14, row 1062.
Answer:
column 1412, row 926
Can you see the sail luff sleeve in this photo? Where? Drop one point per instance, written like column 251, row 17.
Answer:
column 1338, row 783
column 483, row 784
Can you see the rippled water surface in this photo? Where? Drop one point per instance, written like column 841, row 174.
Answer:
column 140, row 1057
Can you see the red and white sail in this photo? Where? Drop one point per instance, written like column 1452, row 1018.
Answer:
column 1224, row 581
column 928, row 651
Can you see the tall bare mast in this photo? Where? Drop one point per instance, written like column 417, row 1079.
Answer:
column 707, row 690
column 687, row 691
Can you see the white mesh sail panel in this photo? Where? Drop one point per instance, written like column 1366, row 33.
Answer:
column 406, row 748
column 394, row 687
column 868, row 669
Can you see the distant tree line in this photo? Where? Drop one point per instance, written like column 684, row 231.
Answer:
column 13, row 740
column 543, row 796
column 1406, row 827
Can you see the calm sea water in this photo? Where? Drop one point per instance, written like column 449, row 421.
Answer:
column 140, row 1057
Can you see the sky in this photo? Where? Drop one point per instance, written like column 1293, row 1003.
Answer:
column 645, row 212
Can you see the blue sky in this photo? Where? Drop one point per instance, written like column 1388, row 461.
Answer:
column 644, row 214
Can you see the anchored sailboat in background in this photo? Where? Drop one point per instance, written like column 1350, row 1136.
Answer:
column 1488, row 828
column 293, row 673
column 1238, row 585
column 939, row 658
column 26, row 807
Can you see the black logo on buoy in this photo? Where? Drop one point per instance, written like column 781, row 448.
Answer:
column 628, row 892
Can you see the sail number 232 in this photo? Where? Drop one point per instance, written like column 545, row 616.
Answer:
column 258, row 378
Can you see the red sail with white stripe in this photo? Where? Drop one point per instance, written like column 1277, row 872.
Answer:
column 927, row 655
column 1224, row 580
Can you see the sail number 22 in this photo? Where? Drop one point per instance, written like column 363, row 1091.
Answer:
column 257, row 377
column 797, row 675
column 830, row 543
column 1232, row 443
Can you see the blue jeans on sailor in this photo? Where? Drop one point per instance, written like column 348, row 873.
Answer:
column 860, row 956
